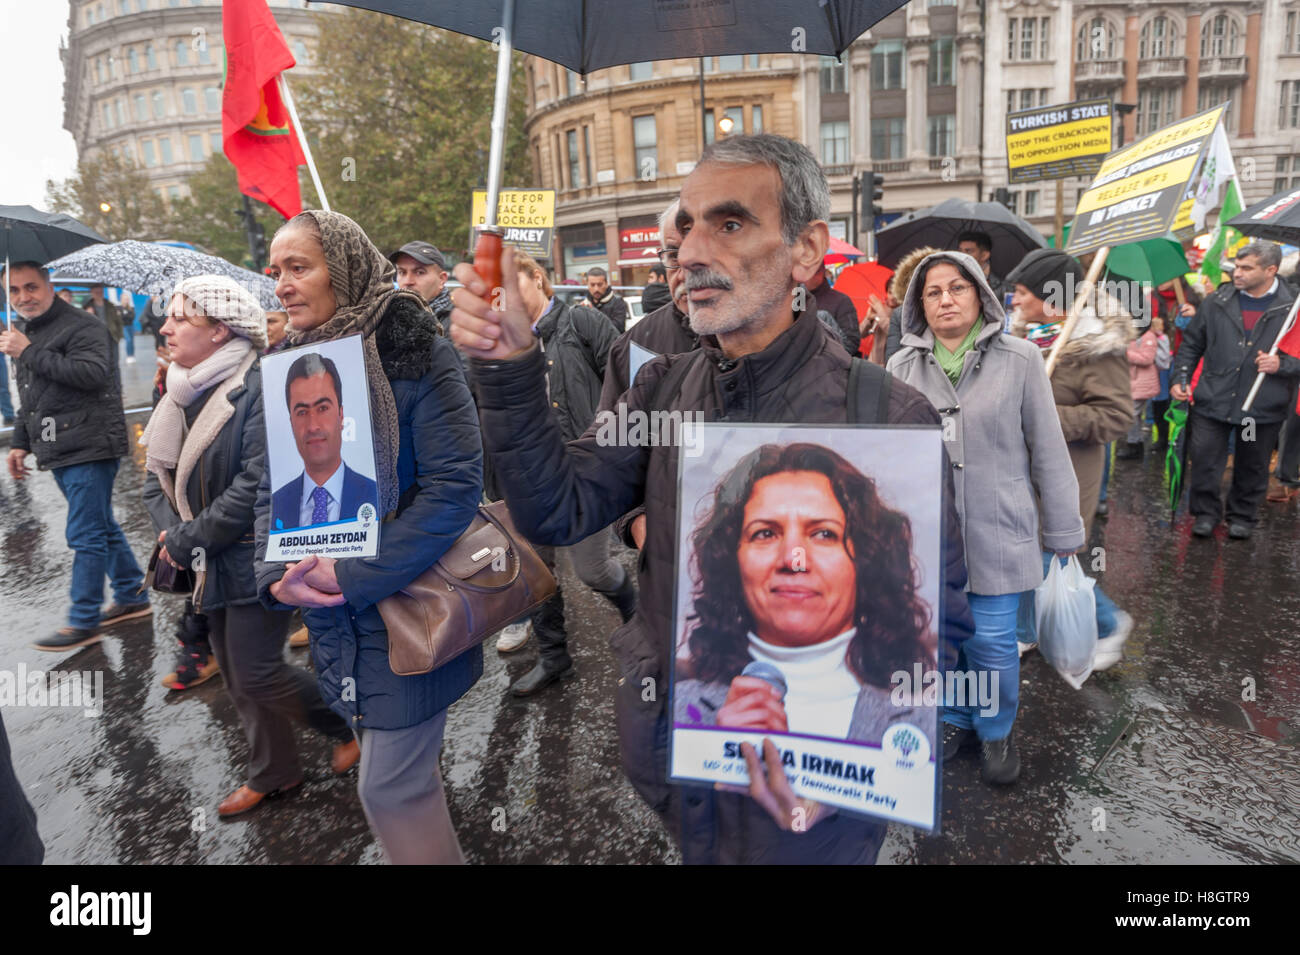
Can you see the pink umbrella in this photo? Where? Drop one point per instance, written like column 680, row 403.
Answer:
column 841, row 251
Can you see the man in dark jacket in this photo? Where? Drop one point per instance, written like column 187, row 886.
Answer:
column 422, row 269
column 1233, row 330
column 105, row 311
column 71, row 419
column 655, row 295
column 576, row 341
column 840, row 307
column 760, row 203
column 603, row 299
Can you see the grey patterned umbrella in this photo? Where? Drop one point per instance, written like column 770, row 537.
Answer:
column 154, row 269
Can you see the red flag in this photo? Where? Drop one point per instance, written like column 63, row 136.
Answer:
column 255, row 127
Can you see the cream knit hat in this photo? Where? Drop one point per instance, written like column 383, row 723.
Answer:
column 226, row 301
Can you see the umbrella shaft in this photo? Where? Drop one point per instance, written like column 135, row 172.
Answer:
column 500, row 110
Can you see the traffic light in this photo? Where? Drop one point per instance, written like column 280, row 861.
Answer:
column 877, row 193
column 1002, row 195
column 259, row 244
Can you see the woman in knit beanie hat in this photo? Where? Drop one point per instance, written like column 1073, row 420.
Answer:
column 206, row 451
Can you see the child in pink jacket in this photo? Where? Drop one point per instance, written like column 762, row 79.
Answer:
column 1144, row 381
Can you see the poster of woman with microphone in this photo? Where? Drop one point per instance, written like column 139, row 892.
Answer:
column 807, row 595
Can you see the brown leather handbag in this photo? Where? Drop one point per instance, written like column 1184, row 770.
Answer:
column 489, row 578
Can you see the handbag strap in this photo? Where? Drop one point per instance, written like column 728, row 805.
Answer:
column 511, row 553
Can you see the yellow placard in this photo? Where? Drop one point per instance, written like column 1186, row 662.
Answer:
column 1186, row 131
column 518, row 208
column 1151, row 180
column 1053, row 143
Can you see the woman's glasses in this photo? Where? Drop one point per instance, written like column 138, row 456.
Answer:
column 958, row 291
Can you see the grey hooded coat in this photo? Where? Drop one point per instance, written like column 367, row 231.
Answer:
column 1004, row 440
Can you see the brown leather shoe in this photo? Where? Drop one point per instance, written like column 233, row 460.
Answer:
column 243, row 799
column 345, row 756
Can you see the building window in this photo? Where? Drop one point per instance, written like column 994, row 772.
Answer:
column 710, row 130
column 212, row 99
column 182, row 53
column 833, row 75
column 214, row 142
column 756, row 119
column 1221, row 37
column 1157, row 39
column 941, row 61
column 1026, row 99
column 159, row 110
column 141, row 107
column 888, row 69
column 108, row 114
column 300, row 52
column 737, row 116
column 150, row 159
column 1288, row 110
column 753, row 61
column 118, row 112
column 1209, row 96
column 1031, row 202
column 99, row 70
column 645, row 141
column 150, row 58
column 941, row 130
column 570, row 83
column 1291, row 43
column 640, row 71
column 1281, row 181
column 165, row 150
column 132, row 61
column 731, row 64
column 189, row 101
column 1096, row 41
column 1028, row 38
column 196, row 147
column 835, row 143
column 887, row 138
column 1155, row 108
column 141, row 5
column 174, row 193
column 575, row 161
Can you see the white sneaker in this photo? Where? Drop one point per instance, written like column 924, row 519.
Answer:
column 1024, row 647
column 513, row 637
column 1111, row 649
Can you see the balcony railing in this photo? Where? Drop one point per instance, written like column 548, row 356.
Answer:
column 1098, row 70
column 1227, row 66
column 889, row 165
column 1163, row 67
column 843, row 169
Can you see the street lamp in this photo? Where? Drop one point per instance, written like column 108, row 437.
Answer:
column 105, row 208
column 726, row 124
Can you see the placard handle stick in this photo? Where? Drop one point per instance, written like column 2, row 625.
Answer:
column 1076, row 308
column 1286, row 327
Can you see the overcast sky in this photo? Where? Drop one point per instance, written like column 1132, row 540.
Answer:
column 34, row 146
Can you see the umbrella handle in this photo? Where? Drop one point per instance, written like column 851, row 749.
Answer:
column 487, row 263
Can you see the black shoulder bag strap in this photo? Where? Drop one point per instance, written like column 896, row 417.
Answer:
column 869, row 386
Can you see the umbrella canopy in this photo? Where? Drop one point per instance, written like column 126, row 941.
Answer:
column 862, row 282
column 840, row 251
column 1152, row 261
column 938, row 226
column 585, row 36
column 155, row 269
column 1276, row 218
column 29, row 235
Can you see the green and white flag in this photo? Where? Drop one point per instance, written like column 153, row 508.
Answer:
column 1217, row 186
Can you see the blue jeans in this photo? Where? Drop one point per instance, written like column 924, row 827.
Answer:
column 1027, row 625
column 1105, row 475
column 128, row 334
column 6, row 401
column 991, row 650
column 99, row 546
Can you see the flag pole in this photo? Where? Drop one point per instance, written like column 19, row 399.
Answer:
column 1076, row 307
column 1259, row 379
column 302, row 139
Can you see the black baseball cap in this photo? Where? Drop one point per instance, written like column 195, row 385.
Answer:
column 423, row 252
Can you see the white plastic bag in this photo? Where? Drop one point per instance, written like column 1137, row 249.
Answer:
column 1065, row 609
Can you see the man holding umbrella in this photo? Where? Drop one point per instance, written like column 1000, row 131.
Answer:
column 71, row 419
column 1232, row 332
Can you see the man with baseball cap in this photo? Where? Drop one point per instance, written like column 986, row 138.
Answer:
column 422, row 269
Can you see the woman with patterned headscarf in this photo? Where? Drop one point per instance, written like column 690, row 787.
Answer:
column 333, row 283
column 206, row 453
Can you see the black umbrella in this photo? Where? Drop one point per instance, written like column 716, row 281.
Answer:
column 938, row 226
column 587, row 35
column 1276, row 218
column 29, row 235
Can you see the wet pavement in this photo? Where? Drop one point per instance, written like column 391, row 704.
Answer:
column 1164, row 758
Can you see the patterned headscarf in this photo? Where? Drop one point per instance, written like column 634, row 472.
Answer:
column 362, row 279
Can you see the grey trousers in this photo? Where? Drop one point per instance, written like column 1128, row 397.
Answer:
column 269, row 694
column 402, row 794
column 1139, row 427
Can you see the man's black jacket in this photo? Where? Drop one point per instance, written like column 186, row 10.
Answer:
column 69, row 390
column 1218, row 334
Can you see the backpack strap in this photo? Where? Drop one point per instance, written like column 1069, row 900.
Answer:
column 671, row 383
column 869, row 387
